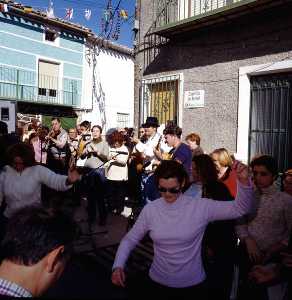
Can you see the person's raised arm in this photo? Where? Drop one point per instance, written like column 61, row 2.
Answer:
column 243, row 203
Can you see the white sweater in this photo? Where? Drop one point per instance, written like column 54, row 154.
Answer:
column 23, row 189
column 117, row 168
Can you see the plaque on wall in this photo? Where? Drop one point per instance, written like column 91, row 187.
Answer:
column 194, row 99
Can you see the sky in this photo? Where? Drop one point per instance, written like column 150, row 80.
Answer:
column 97, row 8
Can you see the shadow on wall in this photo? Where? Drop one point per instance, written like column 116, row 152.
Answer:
column 254, row 35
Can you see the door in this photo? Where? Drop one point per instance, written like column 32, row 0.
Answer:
column 271, row 118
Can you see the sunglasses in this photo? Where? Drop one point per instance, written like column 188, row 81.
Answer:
column 255, row 173
column 171, row 190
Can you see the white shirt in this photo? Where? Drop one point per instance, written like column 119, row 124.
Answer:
column 23, row 189
column 147, row 148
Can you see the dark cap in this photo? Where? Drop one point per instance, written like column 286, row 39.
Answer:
column 151, row 122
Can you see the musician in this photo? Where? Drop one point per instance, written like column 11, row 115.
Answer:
column 146, row 148
column 73, row 141
column 40, row 145
column 57, row 147
column 85, row 136
column 180, row 152
column 153, row 140
column 117, row 172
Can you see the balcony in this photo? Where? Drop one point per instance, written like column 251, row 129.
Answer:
column 26, row 86
column 177, row 16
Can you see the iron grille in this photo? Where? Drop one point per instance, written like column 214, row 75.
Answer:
column 160, row 98
column 271, row 118
column 123, row 120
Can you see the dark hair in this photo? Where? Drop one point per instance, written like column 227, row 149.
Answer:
column 3, row 128
column 97, row 126
column 173, row 130
column 57, row 119
column 85, row 124
column 23, row 150
column 206, row 168
column 33, row 232
column 32, row 136
column 171, row 169
column 267, row 161
column 115, row 137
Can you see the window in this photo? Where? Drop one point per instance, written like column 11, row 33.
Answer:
column 48, row 79
column 4, row 114
column 123, row 120
column 50, row 36
column 160, row 98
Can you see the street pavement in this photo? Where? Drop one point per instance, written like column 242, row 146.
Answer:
column 87, row 275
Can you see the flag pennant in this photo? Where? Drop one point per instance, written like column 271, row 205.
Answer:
column 69, row 13
column 124, row 14
column 87, row 14
column 3, row 7
column 50, row 11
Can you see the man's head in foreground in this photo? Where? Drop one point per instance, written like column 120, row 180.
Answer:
column 36, row 247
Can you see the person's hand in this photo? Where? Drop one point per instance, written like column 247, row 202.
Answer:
column 262, row 274
column 241, row 172
column 253, row 250
column 118, row 277
column 157, row 153
column 73, row 176
column 134, row 140
column 287, row 259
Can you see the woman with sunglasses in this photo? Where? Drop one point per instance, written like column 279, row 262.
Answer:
column 176, row 224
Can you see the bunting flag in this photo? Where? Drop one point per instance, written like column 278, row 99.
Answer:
column 3, row 7
column 87, row 14
column 69, row 13
column 124, row 14
column 50, row 11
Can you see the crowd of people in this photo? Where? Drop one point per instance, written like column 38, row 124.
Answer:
column 216, row 224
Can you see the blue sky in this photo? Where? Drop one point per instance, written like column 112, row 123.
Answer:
column 97, row 8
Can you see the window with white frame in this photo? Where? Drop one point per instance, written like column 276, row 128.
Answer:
column 48, row 79
column 123, row 120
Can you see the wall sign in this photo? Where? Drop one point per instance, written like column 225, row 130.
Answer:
column 194, row 99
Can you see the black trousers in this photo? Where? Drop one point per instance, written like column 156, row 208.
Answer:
column 149, row 289
column 93, row 187
column 116, row 193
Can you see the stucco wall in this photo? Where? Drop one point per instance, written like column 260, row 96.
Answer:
column 22, row 45
column 114, row 79
column 210, row 59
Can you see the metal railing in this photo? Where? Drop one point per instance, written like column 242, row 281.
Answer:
column 28, row 86
column 169, row 12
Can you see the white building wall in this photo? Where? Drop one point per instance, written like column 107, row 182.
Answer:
column 114, row 78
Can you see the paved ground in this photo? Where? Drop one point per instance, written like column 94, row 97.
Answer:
column 87, row 276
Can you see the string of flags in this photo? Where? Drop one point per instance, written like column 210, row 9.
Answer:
column 107, row 13
column 111, row 19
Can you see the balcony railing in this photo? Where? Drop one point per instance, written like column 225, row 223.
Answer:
column 28, row 86
column 172, row 12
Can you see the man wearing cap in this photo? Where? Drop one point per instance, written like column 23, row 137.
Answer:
column 153, row 141
column 147, row 150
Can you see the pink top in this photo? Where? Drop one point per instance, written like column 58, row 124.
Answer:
column 40, row 153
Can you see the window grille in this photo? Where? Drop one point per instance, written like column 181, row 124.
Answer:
column 123, row 120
